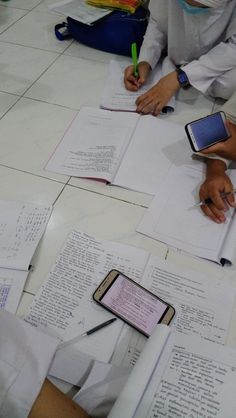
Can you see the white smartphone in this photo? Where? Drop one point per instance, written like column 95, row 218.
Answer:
column 132, row 303
column 207, row 131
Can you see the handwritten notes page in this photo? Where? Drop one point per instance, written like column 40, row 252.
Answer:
column 64, row 305
column 122, row 148
column 21, row 227
column 197, row 299
column 174, row 219
column 184, row 376
column 79, row 10
column 193, row 378
column 117, row 97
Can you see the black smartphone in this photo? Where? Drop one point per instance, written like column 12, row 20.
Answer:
column 207, row 131
column 133, row 303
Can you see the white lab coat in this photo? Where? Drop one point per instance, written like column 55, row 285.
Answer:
column 205, row 44
column 25, row 357
column 229, row 108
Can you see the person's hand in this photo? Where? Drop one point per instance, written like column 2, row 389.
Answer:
column 216, row 183
column 159, row 95
column 225, row 149
column 133, row 83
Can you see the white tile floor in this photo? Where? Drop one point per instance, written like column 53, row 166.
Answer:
column 43, row 82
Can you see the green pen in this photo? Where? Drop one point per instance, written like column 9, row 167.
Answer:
column 134, row 56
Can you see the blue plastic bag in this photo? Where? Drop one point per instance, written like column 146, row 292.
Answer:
column 114, row 33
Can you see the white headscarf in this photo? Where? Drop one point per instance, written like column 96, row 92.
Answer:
column 213, row 3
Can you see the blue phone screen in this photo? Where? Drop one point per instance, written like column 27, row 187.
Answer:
column 209, row 130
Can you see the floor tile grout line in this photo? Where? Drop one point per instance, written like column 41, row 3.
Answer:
column 34, row 174
column 13, row 23
column 108, row 196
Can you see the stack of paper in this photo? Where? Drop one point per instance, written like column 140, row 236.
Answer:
column 64, row 307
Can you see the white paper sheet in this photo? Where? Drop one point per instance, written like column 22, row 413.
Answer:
column 93, row 144
column 174, row 219
column 79, row 10
column 200, row 300
column 123, row 148
column 155, row 146
column 192, row 377
column 197, row 298
column 117, row 97
column 64, row 306
column 11, row 287
column 21, row 227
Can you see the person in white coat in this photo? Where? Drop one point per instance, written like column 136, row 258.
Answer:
column 199, row 39
column 217, row 181
column 25, row 358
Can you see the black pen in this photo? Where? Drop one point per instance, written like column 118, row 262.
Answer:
column 209, row 200
column 89, row 332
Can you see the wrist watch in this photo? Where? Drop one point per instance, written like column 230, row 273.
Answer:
column 182, row 78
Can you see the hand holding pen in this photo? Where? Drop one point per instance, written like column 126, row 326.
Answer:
column 136, row 74
column 223, row 196
column 216, row 197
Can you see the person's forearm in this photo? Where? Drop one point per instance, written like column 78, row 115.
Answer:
column 52, row 403
column 215, row 168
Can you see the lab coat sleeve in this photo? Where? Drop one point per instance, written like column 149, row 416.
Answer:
column 202, row 72
column 155, row 39
column 229, row 108
column 204, row 157
column 25, row 356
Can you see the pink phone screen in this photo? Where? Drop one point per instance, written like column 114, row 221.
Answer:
column 134, row 304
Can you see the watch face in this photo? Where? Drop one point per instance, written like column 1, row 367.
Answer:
column 183, row 78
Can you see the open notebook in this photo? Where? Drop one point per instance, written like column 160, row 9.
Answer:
column 174, row 218
column 117, row 97
column 177, row 376
column 121, row 148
